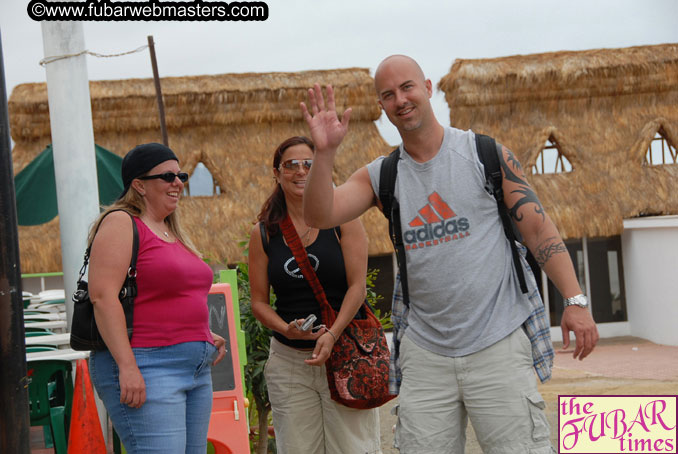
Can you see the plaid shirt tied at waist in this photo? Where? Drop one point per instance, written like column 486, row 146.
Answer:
column 536, row 327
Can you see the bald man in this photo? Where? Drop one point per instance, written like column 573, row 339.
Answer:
column 461, row 345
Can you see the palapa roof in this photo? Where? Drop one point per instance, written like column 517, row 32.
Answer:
column 603, row 107
column 231, row 123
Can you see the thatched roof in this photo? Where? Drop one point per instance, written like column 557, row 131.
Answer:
column 602, row 106
column 231, row 123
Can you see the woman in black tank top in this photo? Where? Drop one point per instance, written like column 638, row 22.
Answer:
column 295, row 371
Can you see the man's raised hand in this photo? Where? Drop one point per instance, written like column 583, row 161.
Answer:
column 327, row 131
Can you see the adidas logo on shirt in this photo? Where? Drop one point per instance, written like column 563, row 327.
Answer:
column 435, row 223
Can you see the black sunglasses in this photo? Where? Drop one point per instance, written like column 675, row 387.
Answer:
column 168, row 177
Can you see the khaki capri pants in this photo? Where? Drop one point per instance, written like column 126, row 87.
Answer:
column 305, row 418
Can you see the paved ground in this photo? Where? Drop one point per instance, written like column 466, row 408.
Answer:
column 624, row 365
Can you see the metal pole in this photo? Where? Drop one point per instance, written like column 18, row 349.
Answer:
column 14, row 418
column 158, row 91
column 75, row 172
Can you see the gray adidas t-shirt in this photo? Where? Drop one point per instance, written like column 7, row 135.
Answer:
column 464, row 293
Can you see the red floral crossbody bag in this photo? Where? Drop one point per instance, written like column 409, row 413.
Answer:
column 357, row 369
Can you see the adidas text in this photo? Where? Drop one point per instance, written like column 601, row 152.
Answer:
column 439, row 231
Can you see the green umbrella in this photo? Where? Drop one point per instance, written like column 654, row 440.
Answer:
column 36, row 201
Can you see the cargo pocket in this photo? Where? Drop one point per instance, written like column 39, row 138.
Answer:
column 396, row 428
column 540, row 425
column 268, row 362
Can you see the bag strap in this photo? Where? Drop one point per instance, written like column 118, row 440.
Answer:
column 391, row 209
column 132, row 270
column 294, row 243
column 488, row 153
column 265, row 241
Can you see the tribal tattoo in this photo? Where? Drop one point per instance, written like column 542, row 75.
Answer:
column 518, row 177
column 547, row 249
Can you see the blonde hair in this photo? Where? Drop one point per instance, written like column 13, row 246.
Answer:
column 134, row 204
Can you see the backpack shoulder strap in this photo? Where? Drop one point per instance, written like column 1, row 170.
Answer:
column 488, row 153
column 391, row 209
column 387, row 179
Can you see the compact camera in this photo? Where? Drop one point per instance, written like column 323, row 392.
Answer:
column 308, row 323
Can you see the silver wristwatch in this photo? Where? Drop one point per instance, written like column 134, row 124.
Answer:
column 577, row 300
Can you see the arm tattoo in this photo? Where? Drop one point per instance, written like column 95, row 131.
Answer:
column 547, row 249
column 513, row 161
column 528, row 195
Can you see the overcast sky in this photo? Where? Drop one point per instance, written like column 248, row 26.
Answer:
column 319, row 34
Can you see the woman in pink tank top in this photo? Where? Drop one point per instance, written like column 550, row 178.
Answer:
column 155, row 385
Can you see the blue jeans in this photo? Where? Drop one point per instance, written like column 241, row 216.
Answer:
column 175, row 417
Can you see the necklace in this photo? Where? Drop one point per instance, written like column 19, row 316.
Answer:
column 305, row 236
column 155, row 229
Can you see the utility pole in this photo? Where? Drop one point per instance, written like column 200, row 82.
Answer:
column 70, row 115
column 75, row 170
column 14, row 419
column 158, row 91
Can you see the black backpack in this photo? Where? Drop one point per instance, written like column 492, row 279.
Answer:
column 488, row 155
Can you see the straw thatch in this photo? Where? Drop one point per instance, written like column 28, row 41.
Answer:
column 231, row 123
column 603, row 107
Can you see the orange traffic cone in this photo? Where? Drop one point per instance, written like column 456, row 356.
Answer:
column 85, row 436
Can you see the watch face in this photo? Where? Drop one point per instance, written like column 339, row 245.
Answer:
column 578, row 300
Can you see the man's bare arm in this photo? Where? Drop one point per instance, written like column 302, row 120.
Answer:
column 539, row 233
column 325, row 206
column 544, row 241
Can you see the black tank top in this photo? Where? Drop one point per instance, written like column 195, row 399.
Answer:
column 294, row 297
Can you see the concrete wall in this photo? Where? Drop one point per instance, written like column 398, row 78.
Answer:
column 650, row 254
column 36, row 284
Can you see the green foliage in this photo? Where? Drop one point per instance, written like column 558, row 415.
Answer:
column 373, row 299
column 257, row 340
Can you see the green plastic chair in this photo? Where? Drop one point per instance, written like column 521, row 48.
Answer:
column 40, row 348
column 31, row 332
column 50, row 395
column 54, row 301
column 51, row 387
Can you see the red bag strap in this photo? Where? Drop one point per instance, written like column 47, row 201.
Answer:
column 294, row 243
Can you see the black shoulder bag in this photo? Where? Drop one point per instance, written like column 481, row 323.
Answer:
column 84, row 331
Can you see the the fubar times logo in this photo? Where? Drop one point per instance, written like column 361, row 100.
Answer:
column 617, row 424
column 435, row 223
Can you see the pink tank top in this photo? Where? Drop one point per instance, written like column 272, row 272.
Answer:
column 171, row 303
